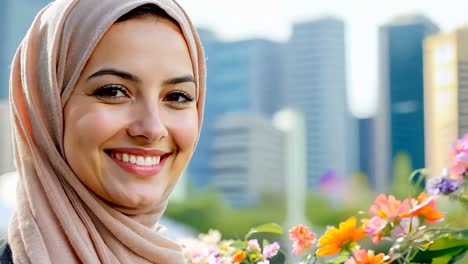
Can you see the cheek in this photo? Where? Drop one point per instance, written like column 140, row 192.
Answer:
column 87, row 127
column 183, row 127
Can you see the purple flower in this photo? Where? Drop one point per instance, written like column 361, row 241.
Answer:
column 271, row 250
column 444, row 185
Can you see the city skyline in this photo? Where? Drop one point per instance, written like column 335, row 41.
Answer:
column 327, row 96
column 362, row 19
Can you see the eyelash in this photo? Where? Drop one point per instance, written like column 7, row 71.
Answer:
column 187, row 98
column 101, row 93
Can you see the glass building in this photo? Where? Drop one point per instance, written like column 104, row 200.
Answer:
column 315, row 83
column 366, row 146
column 241, row 76
column 446, row 94
column 400, row 122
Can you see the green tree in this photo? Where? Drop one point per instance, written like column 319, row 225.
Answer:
column 208, row 210
column 402, row 168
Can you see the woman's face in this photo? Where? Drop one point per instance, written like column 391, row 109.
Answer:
column 131, row 123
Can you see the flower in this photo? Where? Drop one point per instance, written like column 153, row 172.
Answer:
column 213, row 237
column 459, row 157
column 388, row 208
column 404, row 227
column 302, row 239
column 425, row 206
column 343, row 237
column 253, row 246
column 238, row 257
column 374, row 227
column 362, row 256
column 271, row 250
column 443, row 185
column 195, row 250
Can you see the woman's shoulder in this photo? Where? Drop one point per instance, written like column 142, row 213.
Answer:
column 5, row 254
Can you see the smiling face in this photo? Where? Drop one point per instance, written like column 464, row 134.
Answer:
column 131, row 123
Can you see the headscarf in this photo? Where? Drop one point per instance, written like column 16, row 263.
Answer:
column 59, row 220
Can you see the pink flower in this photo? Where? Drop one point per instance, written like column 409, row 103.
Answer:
column 302, row 238
column 388, row 208
column 374, row 227
column 362, row 256
column 404, row 227
column 252, row 245
column 459, row 157
column 271, row 250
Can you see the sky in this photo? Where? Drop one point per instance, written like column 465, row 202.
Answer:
column 273, row 19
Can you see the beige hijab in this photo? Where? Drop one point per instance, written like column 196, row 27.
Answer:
column 58, row 220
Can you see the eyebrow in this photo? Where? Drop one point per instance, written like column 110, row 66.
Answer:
column 180, row 79
column 128, row 76
column 119, row 73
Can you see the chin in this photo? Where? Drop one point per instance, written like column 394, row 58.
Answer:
column 138, row 199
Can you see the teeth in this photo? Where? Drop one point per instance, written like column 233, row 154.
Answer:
column 138, row 160
column 125, row 157
column 148, row 161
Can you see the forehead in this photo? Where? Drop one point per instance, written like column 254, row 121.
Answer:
column 148, row 41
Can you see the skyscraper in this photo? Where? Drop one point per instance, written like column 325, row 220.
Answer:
column 242, row 76
column 315, row 83
column 366, row 145
column 445, row 94
column 248, row 157
column 400, row 116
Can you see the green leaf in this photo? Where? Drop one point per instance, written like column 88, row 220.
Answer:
column 239, row 244
column 429, row 255
column 266, row 228
column 444, row 249
column 338, row 260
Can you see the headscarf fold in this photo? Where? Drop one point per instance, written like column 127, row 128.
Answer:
column 59, row 220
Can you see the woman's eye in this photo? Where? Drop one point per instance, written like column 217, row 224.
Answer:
column 110, row 92
column 178, row 97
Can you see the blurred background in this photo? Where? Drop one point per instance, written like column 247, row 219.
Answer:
column 312, row 108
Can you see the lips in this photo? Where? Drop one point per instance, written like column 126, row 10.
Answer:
column 142, row 163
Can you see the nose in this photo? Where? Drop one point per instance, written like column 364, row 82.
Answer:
column 148, row 124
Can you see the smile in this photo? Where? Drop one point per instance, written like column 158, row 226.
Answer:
column 139, row 162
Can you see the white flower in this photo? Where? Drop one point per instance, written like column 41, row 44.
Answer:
column 212, row 238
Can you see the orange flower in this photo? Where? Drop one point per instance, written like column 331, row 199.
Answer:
column 336, row 239
column 425, row 207
column 239, row 256
column 302, row 239
column 388, row 208
column 362, row 256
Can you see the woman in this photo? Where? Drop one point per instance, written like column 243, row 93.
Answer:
column 107, row 101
